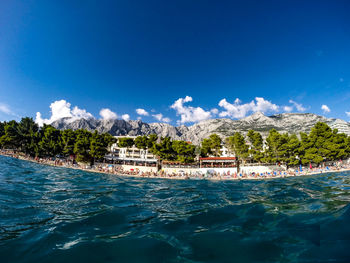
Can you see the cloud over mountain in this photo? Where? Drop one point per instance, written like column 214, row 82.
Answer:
column 238, row 110
column 107, row 114
column 160, row 117
column 325, row 109
column 62, row 109
column 189, row 113
column 142, row 112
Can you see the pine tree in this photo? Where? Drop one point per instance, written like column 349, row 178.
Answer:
column 82, row 145
column 238, row 146
column 68, row 140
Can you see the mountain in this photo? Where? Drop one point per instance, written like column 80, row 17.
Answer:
column 285, row 122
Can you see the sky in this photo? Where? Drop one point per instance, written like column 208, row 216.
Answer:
column 179, row 62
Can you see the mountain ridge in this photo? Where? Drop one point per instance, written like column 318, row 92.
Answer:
column 284, row 122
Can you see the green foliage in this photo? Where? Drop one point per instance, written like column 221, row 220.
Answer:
column 321, row 144
column 68, row 140
column 256, row 145
column 141, row 142
column 276, row 147
column 292, row 150
column 2, row 129
column 206, row 148
column 211, row 146
column 164, row 149
column 82, row 145
column 28, row 140
column 11, row 137
column 256, row 140
column 98, row 146
column 145, row 142
column 50, row 144
column 109, row 139
column 185, row 152
column 125, row 142
column 238, row 146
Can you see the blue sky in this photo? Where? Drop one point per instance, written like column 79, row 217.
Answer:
column 185, row 60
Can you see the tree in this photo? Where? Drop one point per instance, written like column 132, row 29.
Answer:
column 215, row 144
column 292, row 150
column 82, row 145
column 184, row 150
column 27, row 130
column 206, row 148
column 318, row 144
column 109, row 139
column 238, row 146
column 152, row 139
column 276, row 146
column 50, row 143
column 11, row 138
column 322, row 144
column 98, row 146
column 211, row 145
column 2, row 129
column 125, row 142
column 68, row 140
column 164, row 149
column 141, row 142
column 256, row 145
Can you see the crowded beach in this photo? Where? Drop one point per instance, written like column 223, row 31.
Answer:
column 135, row 171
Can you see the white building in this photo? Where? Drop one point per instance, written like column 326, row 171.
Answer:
column 130, row 154
column 225, row 152
column 341, row 126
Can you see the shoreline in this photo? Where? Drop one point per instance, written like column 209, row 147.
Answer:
column 178, row 177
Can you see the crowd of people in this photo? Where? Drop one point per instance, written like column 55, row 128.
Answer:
column 182, row 174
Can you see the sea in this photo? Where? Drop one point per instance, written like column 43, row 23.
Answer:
column 53, row 214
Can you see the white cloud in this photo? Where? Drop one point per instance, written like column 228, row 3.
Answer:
column 325, row 109
column 107, row 114
column 347, row 113
column 239, row 110
column 5, row 109
column 81, row 113
column 298, row 106
column 265, row 105
column 126, row 117
column 62, row 109
column 235, row 110
column 188, row 113
column 288, row 108
column 214, row 111
column 160, row 117
column 39, row 120
column 142, row 112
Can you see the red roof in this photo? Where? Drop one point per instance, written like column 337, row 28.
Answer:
column 218, row 158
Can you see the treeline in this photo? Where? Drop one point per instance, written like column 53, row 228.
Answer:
column 25, row 136
column 321, row 144
column 164, row 148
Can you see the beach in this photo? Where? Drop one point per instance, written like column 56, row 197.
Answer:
column 135, row 172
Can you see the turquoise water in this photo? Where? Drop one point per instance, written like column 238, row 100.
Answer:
column 50, row 214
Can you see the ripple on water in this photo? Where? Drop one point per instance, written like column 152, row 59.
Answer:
column 52, row 214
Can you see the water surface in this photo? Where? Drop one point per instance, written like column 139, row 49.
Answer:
column 50, row 214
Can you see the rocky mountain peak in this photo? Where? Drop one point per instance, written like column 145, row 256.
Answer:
column 285, row 122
